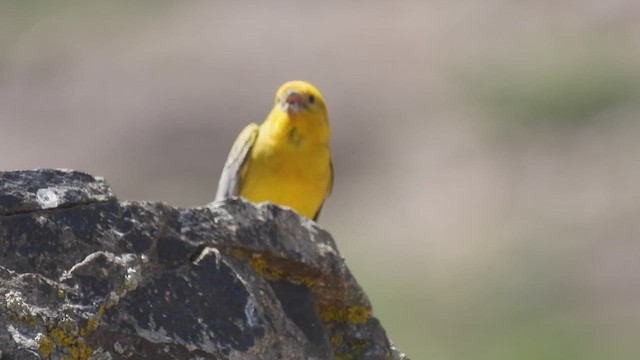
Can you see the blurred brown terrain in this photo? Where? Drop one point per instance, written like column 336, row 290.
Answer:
column 487, row 190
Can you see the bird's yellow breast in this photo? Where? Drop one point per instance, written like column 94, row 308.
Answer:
column 289, row 164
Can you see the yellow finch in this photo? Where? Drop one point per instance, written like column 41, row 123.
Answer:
column 285, row 160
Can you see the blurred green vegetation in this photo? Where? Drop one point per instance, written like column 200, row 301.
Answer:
column 525, row 307
column 563, row 89
column 19, row 16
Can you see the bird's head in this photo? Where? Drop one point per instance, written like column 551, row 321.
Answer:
column 299, row 98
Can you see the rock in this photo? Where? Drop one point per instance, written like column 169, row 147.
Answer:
column 83, row 276
column 30, row 190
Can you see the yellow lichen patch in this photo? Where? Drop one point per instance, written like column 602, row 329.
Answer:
column 348, row 348
column 259, row 264
column 80, row 352
column 304, row 280
column 74, row 343
column 351, row 349
column 45, row 345
column 336, row 340
column 27, row 319
column 69, row 339
column 351, row 314
column 66, row 339
column 71, row 345
column 238, row 254
column 272, row 272
column 358, row 314
column 92, row 324
column 359, row 346
column 61, row 338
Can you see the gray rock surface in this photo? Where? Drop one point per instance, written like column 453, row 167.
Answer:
column 83, row 276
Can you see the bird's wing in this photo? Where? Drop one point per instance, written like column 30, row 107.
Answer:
column 230, row 179
column 317, row 215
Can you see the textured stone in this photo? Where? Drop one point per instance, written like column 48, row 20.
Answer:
column 85, row 276
column 23, row 191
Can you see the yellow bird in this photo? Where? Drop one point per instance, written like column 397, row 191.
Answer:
column 285, row 160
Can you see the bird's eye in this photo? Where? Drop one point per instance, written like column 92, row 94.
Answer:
column 312, row 99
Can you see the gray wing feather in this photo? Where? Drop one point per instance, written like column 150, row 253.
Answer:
column 317, row 215
column 230, row 179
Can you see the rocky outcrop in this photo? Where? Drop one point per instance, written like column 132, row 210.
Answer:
column 84, row 276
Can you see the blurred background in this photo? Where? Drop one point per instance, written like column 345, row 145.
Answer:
column 487, row 188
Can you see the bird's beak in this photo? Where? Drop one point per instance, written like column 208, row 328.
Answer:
column 292, row 102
